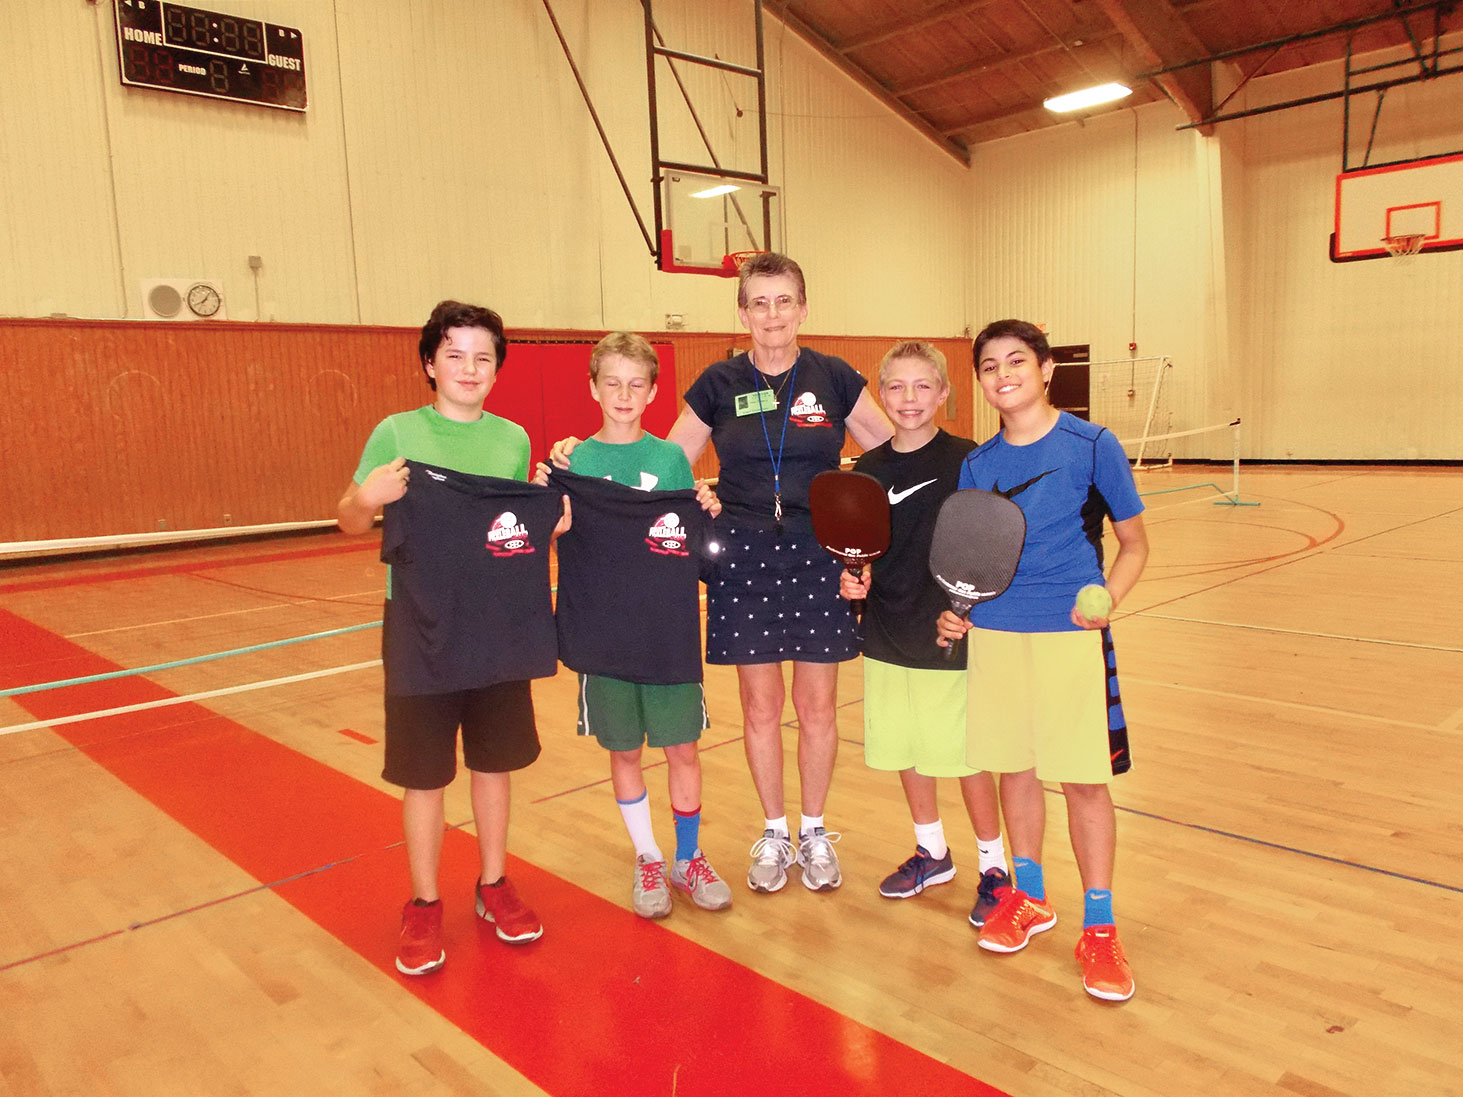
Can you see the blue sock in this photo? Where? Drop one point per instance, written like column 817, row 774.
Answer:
column 1097, row 908
column 688, row 833
column 1029, row 878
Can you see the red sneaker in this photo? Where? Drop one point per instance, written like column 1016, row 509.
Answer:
column 1016, row 917
column 512, row 920
column 420, row 950
column 1105, row 971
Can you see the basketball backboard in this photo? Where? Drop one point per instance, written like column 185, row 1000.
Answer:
column 710, row 217
column 1408, row 199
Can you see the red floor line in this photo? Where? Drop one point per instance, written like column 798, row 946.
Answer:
column 25, row 586
column 605, row 1003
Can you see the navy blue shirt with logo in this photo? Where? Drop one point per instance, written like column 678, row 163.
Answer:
column 470, row 604
column 629, row 603
column 814, row 399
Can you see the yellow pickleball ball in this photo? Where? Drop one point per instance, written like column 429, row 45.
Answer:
column 1094, row 602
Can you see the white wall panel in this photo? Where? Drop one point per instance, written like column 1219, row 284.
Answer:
column 1321, row 337
column 1214, row 251
column 447, row 151
column 58, row 238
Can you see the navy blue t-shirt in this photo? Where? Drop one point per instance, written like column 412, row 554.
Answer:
column 469, row 603
column 806, row 429
column 629, row 597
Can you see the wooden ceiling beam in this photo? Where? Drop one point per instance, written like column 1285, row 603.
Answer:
column 1162, row 38
column 928, row 18
column 995, row 64
column 866, row 81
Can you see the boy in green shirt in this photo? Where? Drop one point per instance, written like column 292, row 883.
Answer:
column 462, row 347
column 624, row 716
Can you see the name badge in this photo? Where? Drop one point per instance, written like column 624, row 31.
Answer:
column 754, row 403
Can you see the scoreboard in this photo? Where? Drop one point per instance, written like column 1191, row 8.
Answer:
column 197, row 52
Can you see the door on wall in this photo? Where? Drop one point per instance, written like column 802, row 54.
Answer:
column 1068, row 389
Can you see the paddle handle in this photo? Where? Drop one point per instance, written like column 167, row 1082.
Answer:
column 961, row 608
column 856, row 604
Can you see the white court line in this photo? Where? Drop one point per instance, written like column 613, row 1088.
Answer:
column 166, row 701
column 223, row 613
column 1275, row 702
column 1298, row 632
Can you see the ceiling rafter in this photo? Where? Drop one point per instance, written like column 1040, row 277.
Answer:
column 899, row 28
column 1163, row 38
column 869, row 83
column 995, row 64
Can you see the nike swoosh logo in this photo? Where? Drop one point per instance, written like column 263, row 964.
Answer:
column 1011, row 493
column 900, row 496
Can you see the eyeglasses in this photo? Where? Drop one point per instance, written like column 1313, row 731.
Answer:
column 761, row 306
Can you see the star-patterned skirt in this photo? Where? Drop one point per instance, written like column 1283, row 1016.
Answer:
column 776, row 598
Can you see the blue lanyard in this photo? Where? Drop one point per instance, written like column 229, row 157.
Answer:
column 776, row 462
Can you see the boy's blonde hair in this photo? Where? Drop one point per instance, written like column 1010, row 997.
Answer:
column 916, row 348
column 627, row 345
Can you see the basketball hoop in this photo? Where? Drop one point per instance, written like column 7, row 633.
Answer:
column 1408, row 244
column 731, row 263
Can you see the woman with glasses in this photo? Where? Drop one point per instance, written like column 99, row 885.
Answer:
column 777, row 415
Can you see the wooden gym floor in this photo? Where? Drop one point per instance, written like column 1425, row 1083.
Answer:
column 202, row 898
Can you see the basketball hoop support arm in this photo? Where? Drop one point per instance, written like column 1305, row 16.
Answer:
column 604, row 139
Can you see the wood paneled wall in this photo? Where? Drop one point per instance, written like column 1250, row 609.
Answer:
column 119, row 427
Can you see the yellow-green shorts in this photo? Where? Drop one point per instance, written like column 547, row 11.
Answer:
column 1045, row 700
column 628, row 715
column 914, row 719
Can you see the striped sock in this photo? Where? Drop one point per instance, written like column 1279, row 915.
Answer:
column 688, row 832
column 1097, row 908
column 1029, row 878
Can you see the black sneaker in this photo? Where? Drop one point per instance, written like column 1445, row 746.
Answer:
column 988, row 895
column 916, row 874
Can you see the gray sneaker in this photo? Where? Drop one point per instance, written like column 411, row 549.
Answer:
column 649, row 895
column 772, row 856
column 820, row 863
column 699, row 880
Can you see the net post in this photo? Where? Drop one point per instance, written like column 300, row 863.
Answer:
column 1164, row 365
column 1231, row 498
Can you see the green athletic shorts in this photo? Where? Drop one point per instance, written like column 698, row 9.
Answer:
column 627, row 715
column 914, row 719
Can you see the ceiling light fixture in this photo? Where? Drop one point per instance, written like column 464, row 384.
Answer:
column 715, row 192
column 1087, row 97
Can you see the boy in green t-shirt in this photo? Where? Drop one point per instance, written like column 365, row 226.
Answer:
column 624, row 716
column 462, row 347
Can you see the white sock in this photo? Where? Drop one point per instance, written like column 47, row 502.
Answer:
column 808, row 824
column 777, row 826
column 992, row 854
column 636, row 814
column 932, row 837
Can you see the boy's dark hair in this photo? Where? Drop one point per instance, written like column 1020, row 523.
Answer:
column 455, row 314
column 1027, row 333
column 771, row 264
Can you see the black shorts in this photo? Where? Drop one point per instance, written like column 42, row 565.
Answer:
column 775, row 598
column 498, row 734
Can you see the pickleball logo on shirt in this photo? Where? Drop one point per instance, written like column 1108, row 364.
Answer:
column 807, row 412
column 507, row 536
column 667, row 536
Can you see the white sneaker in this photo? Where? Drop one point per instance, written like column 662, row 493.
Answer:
column 649, row 895
column 820, row 863
column 772, row 856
